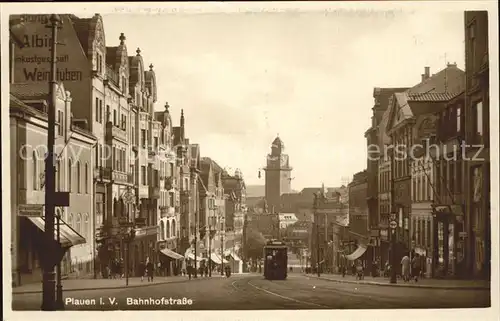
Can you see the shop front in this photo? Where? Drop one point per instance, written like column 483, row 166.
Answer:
column 142, row 248
column 449, row 250
column 170, row 262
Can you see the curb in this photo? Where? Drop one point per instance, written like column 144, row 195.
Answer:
column 111, row 287
column 404, row 285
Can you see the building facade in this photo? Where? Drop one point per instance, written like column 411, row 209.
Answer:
column 375, row 181
column 477, row 133
column 405, row 108
column 74, row 161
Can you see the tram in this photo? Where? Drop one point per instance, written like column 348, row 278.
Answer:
column 275, row 260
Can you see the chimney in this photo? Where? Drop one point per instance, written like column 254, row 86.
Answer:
column 423, row 77
column 427, row 72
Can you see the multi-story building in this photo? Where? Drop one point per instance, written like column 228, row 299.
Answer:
column 373, row 137
column 327, row 210
column 115, row 95
column 442, row 233
column 358, row 218
column 404, row 109
column 235, row 209
column 169, row 215
column 74, row 161
column 477, row 133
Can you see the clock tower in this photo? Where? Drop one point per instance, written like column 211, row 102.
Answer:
column 278, row 179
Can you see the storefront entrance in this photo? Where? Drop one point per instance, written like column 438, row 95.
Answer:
column 449, row 246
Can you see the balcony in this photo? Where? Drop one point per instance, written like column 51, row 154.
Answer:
column 167, row 211
column 120, row 177
column 102, row 173
column 169, row 183
column 114, row 132
column 154, row 192
column 130, row 179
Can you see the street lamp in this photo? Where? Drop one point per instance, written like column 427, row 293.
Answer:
column 59, row 296
column 48, row 298
column 222, row 231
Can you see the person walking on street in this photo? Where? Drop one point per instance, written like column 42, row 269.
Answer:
column 142, row 270
column 150, row 269
column 405, row 268
column 415, row 267
column 189, row 270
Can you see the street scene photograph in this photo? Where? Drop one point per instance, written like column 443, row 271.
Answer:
column 260, row 158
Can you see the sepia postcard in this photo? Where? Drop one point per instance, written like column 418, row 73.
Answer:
column 251, row 160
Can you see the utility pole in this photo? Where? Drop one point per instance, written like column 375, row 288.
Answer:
column 48, row 300
column 222, row 246
column 59, row 296
column 195, row 243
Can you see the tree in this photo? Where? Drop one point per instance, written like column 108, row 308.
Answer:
column 254, row 244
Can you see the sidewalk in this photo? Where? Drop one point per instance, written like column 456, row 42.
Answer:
column 105, row 284
column 422, row 283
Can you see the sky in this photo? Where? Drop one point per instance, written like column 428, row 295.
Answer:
column 244, row 78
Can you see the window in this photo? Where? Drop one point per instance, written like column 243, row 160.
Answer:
column 171, row 169
column 108, row 114
column 124, row 122
column 478, row 119
column 143, row 138
column 35, row 171
column 60, row 123
column 86, row 168
column 78, row 177
column 168, row 229
column 86, row 226
column 97, row 109
column 156, row 142
column 171, row 199
column 459, row 119
column 162, row 230
column 174, row 232
column 70, row 178
column 451, row 177
column 115, row 119
column 58, row 175
column 143, row 175
column 458, row 183
column 472, row 46
column 113, row 158
column 78, row 225
column 71, row 221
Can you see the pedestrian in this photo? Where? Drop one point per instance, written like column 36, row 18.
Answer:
column 415, row 266
column 142, row 269
column 405, row 268
column 150, row 269
column 122, row 268
column 189, row 270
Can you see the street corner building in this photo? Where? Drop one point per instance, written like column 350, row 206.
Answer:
column 75, row 154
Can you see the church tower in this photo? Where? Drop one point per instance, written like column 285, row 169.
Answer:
column 278, row 171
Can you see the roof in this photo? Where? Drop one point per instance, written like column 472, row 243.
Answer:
column 17, row 105
column 27, row 91
column 82, row 29
column 440, row 87
column 278, row 143
column 431, row 97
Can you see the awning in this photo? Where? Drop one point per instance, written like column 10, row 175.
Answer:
column 357, row 253
column 217, row 259
column 68, row 236
column 189, row 255
column 231, row 252
column 172, row 254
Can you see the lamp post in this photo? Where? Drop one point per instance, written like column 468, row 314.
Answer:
column 48, row 299
column 392, row 227
column 315, row 207
column 222, row 230
column 59, row 296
